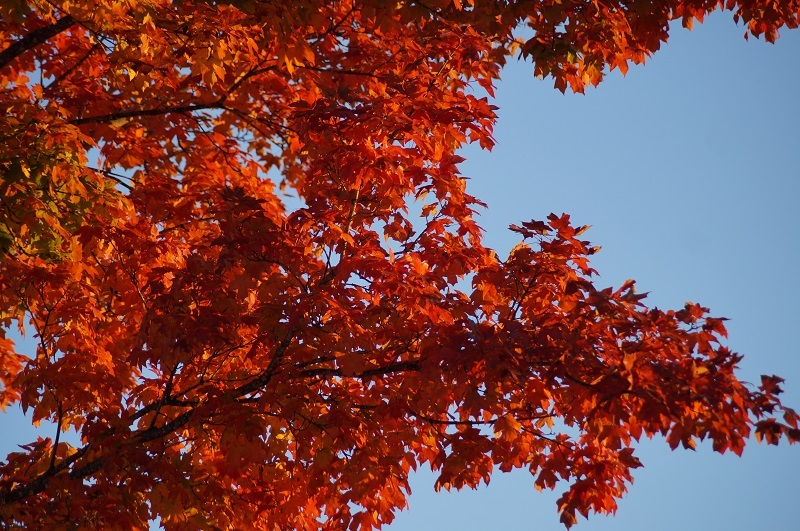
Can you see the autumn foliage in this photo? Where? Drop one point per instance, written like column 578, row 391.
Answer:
column 237, row 232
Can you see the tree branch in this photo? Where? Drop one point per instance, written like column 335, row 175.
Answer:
column 72, row 68
column 105, row 118
column 401, row 366
column 35, row 38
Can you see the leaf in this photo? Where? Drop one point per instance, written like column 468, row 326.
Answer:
column 351, row 363
column 568, row 518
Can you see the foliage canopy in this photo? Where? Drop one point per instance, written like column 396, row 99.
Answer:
column 234, row 357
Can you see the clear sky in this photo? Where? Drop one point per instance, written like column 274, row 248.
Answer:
column 687, row 170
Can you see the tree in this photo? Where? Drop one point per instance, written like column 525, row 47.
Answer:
column 207, row 223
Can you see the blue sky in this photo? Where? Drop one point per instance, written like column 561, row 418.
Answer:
column 687, row 170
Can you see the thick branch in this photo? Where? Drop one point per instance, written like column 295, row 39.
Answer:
column 105, row 118
column 266, row 376
column 40, row 483
column 175, row 424
column 34, row 39
column 392, row 368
